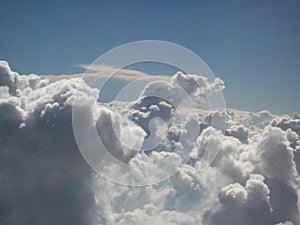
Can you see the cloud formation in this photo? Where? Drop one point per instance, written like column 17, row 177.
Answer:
column 45, row 180
column 104, row 72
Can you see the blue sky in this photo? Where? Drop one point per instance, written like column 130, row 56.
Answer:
column 252, row 45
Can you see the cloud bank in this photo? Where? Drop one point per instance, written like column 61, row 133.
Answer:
column 45, row 180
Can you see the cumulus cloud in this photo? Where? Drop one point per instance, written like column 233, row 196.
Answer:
column 240, row 132
column 254, row 179
column 276, row 155
column 43, row 177
column 288, row 123
column 40, row 162
column 249, row 204
column 182, row 88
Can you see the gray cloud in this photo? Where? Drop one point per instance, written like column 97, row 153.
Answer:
column 43, row 177
column 246, row 205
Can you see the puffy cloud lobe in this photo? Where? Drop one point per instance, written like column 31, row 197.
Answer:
column 246, row 205
column 216, row 119
column 239, row 132
column 276, row 155
column 7, row 77
column 288, row 123
column 121, row 137
column 230, row 159
column 147, row 108
column 181, row 87
column 186, row 190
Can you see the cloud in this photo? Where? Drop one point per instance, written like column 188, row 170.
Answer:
column 249, row 204
column 41, row 165
column 253, row 179
column 121, row 137
column 181, row 87
column 240, row 132
column 288, row 123
column 105, row 72
column 276, row 155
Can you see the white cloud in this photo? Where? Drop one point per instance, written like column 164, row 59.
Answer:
column 253, row 179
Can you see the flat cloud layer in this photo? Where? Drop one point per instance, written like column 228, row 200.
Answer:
column 45, row 180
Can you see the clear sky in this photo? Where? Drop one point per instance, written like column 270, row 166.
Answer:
column 252, row 45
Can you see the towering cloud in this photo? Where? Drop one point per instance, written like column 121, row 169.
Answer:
column 44, row 179
column 249, row 204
